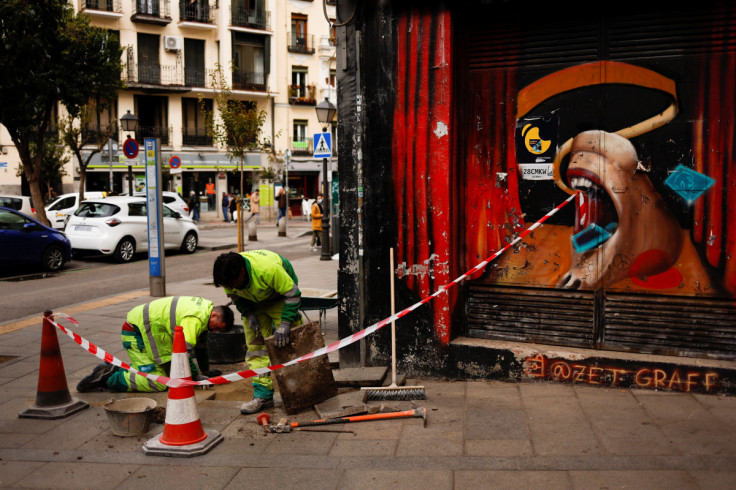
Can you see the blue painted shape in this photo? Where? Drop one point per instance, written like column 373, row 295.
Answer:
column 591, row 236
column 688, row 183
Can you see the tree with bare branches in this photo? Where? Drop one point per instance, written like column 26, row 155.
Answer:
column 235, row 124
column 77, row 133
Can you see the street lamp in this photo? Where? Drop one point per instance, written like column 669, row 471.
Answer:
column 326, row 112
column 287, row 158
column 129, row 123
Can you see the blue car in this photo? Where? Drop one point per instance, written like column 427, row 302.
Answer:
column 23, row 240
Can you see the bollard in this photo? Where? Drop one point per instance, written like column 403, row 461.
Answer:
column 252, row 231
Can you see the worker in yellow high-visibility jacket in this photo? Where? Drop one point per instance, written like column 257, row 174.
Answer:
column 264, row 288
column 148, row 337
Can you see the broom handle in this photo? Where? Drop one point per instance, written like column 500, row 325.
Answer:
column 393, row 323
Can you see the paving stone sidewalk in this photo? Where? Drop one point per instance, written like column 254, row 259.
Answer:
column 478, row 434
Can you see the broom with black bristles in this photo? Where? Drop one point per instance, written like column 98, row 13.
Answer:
column 393, row 392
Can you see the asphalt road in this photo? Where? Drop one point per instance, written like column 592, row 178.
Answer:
column 99, row 277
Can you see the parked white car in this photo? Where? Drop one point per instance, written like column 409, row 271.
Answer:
column 19, row 203
column 171, row 199
column 63, row 206
column 118, row 226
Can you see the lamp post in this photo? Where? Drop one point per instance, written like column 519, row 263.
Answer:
column 325, row 114
column 129, row 123
column 287, row 159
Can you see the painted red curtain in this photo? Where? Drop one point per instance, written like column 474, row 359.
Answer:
column 492, row 209
column 422, row 157
column 714, row 225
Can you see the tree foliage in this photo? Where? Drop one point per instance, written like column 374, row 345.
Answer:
column 50, row 56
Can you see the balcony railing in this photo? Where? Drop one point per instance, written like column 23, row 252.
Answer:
column 249, row 80
column 155, row 74
column 101, row 5
column 197, row 77
column 301, row 44
column 95, row 134
column 196, row 137
column 253, row 19
column 151, row 11
column 301, row 147
column 197, row 11
column 143, row 132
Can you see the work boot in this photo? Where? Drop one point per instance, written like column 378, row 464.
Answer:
column 256, row 405
column 97, row 379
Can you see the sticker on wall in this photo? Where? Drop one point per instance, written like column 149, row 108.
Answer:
column 536, row 140
column 688, row 183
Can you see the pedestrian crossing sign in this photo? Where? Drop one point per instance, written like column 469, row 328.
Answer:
column 322, row 145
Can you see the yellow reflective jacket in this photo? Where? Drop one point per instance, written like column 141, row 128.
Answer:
column 271, row 278
column 156, row 323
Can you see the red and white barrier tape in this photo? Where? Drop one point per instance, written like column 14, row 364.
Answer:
column 229, row 378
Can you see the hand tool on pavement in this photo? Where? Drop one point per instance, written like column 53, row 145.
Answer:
column 263, row 418
column 393, row 392
column 284, row 426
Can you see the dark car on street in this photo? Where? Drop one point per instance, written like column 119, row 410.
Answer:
column 25, row 241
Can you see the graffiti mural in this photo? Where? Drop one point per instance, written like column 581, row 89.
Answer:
column 623, row 234
column 626, row 375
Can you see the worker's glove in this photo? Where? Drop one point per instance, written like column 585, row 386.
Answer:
column 281, row 335
column 254, row 324
column 213, row 372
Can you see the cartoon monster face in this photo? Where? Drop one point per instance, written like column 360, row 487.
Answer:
column 619, row 214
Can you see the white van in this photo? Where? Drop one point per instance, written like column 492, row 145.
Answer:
column 19, row 203
column 65, row 205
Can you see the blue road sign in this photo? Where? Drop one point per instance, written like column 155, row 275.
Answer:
column 322, row 145
column 130, row 148
column 155, row 230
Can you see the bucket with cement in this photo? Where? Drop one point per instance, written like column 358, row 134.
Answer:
column 130, row 416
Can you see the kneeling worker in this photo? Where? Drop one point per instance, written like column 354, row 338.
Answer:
column 148, row 337
column 264, row 288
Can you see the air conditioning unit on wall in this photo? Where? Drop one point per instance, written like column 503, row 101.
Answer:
column 172, row 43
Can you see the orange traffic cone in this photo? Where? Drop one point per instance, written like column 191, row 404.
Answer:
column 53, row 400
column 183, row 435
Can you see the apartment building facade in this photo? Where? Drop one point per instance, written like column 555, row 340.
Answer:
column 282, row 58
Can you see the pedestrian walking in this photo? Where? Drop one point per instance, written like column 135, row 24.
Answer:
column 194, row 206
column 225, row 207
column 233, row 207
column 255, row 200
column 282, row 202
column 316, row 223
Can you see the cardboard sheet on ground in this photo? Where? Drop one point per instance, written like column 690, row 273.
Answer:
column 306, row 383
